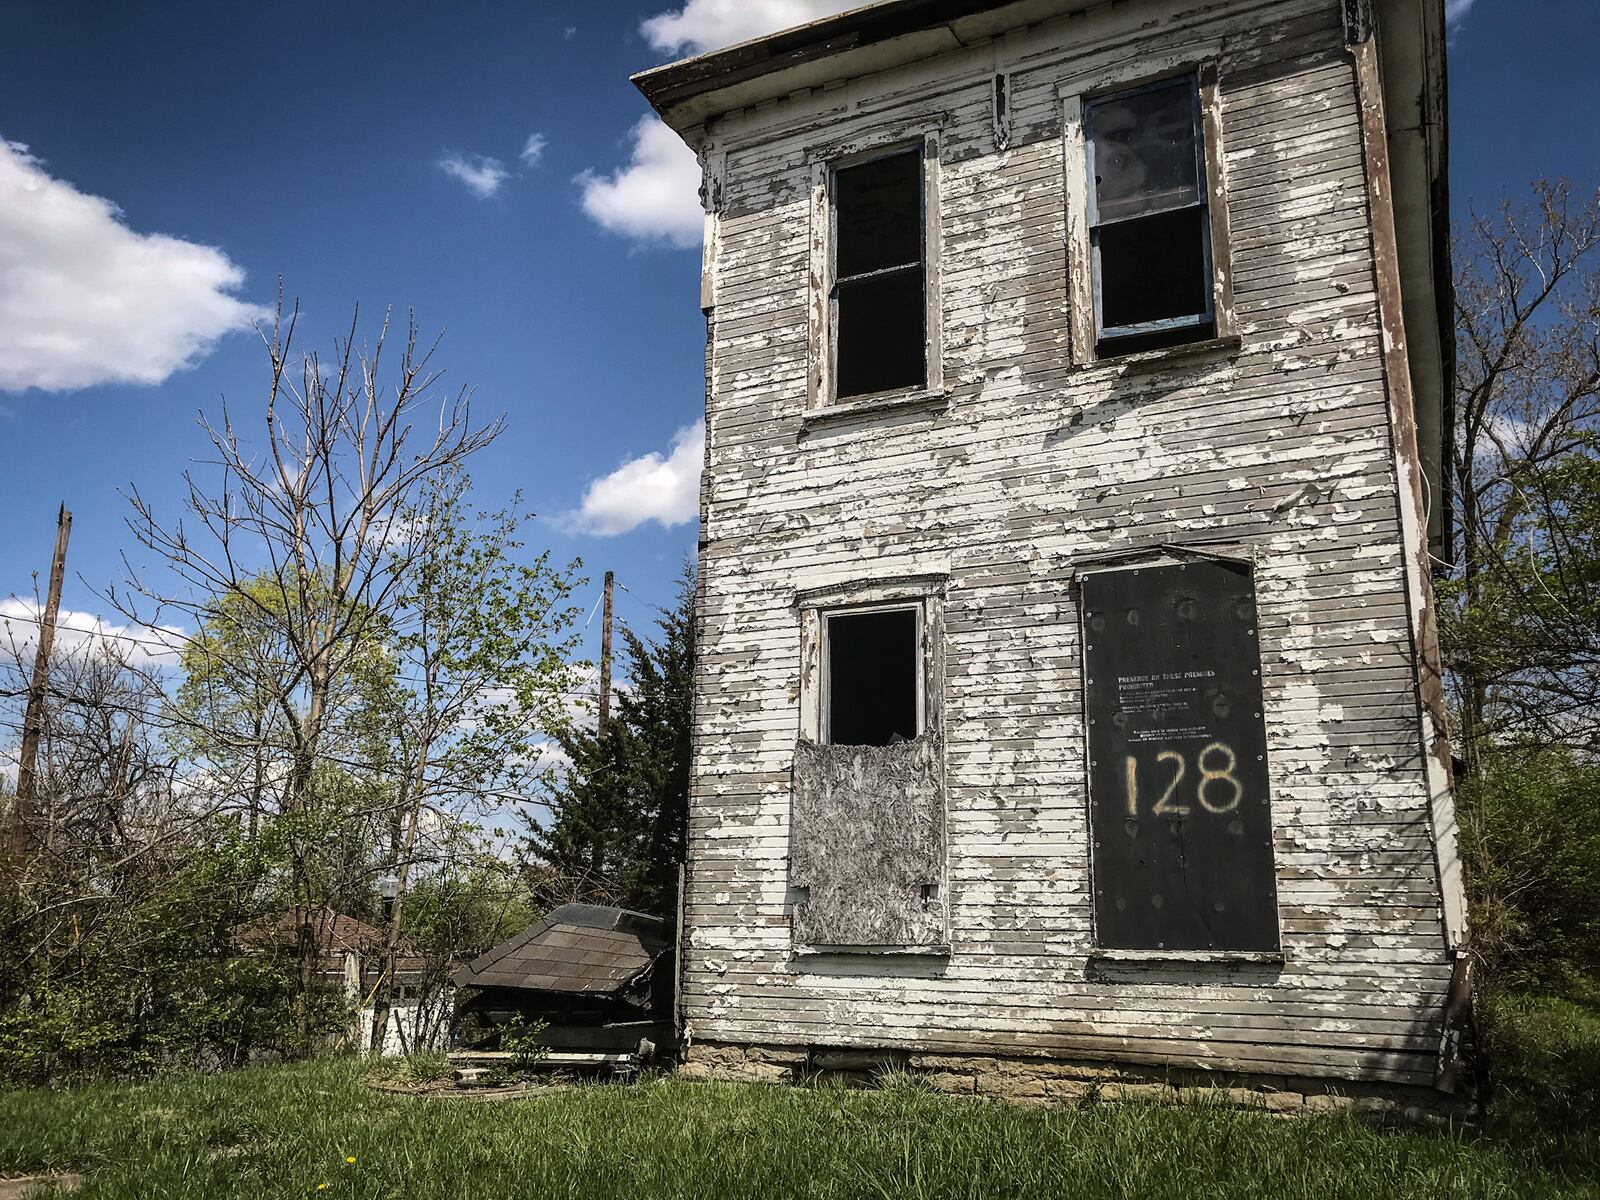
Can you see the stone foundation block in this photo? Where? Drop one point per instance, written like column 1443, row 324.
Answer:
column 1283, row 1102
column 1148, row 1093
column 783, row 1056
column 1229, row 1097
column 954, row 1083
column 1067, row 1091
column 1329, row 1102
column 1049, row 1081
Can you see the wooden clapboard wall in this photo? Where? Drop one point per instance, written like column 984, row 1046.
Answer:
column 1284, row 447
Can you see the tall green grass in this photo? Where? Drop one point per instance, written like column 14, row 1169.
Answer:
column 1544, row 1058
column 284, row 1131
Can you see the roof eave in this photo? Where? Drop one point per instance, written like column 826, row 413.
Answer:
column 873, row 37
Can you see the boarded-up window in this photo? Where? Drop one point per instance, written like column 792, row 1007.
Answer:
column 866, row 851
column 1179, row 806
column 868, row 844
column 880, row 281
column 1150, row 232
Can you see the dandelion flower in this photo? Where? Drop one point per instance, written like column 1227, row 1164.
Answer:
column 351, row 1159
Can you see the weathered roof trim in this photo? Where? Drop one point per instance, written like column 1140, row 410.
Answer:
column 874, row 37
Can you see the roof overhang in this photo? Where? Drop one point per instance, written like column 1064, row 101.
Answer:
column 875, row 37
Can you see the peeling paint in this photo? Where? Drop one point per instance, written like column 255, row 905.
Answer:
column 1284, row 446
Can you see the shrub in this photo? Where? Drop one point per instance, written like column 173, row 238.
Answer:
column 1532, row 854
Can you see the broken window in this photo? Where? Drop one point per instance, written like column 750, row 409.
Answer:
column 1149, row 228
column 874, row 677
column 867, row 816
column 880, row 277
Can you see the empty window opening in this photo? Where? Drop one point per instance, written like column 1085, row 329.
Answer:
column 873, row 677
column 1150, row 231
column 880, row 281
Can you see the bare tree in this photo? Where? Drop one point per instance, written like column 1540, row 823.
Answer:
column 299, row 535
column 1520, row 621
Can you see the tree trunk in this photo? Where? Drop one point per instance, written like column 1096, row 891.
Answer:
column 384, row 1001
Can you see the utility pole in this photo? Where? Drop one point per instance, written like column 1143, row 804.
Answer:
column 605, row 658
column 33, row 718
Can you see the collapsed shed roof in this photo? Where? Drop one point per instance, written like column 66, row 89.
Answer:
column 584, row 949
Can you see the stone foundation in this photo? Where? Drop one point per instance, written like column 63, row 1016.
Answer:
column 1051, row 1081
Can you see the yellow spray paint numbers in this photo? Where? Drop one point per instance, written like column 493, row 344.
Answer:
column 1180, row 817
column 1171, row 803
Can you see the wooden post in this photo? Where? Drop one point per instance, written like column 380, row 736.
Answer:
column 605, row 658
column 33, row 718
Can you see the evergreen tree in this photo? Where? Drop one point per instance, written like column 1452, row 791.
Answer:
column 619, row 810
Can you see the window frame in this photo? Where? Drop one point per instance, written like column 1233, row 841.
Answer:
column 1077, row 97
column 1103, row 332
column 837, row 281
column 921, row 593
column 827, row 617
column 826, row 161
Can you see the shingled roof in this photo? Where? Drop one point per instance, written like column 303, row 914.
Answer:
column 582, row 949
column 333, row 934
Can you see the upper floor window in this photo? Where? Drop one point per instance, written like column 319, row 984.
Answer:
column 1149, row 225
column 879, row 300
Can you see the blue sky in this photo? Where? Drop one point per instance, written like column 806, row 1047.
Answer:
column 346, row 148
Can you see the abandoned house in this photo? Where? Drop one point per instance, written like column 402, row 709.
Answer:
column 1067, row 694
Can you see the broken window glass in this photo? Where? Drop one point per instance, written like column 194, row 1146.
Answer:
column 1150, row 232
column 873, row 675
column 880, row 299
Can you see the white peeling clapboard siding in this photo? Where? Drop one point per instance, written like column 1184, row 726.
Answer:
column 1284, row 447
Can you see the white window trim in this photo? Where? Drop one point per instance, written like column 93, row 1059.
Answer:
column 923, row 594
column 1075, row 96
column 821, row 387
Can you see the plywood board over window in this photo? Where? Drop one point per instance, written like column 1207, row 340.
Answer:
column 867, row 826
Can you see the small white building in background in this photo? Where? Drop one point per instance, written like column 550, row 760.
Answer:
column 350, row 959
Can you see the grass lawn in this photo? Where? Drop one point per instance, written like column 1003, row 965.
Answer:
column 286, row 1131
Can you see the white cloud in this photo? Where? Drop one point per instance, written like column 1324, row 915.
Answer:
column 665, row 490
column 656, row 197
column 702, row 25
column 1456, row 10
column 85, row 300
column 483, row 176
column 84, row 633
column 533, row 149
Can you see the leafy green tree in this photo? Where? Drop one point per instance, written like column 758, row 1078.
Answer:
column 1518, row 613
column 1534, row 862
column 1520, row 608
column 482, row 644
column 317, row 507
